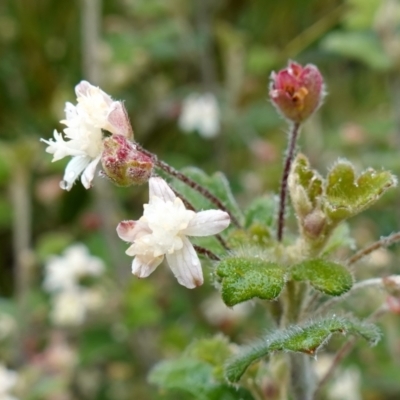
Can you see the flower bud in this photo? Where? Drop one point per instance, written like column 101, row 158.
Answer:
column 123, row 163
column 297, row 91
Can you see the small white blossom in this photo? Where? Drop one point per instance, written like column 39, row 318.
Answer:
column 162, row 231
column 8, row 380
column 201, row 113
column 71, row 307
column 95, row 111
column 68, row 308
column 64, row 272
column 346, row 385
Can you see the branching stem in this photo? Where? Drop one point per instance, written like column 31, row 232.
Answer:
column 383, row 242
column 294, row 133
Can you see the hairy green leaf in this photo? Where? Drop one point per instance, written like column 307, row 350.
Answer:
column 326, row 276
column 244, row 278
column 306, row 339
column 348, row 194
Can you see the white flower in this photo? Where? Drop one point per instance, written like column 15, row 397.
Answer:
column 64, row 272
column 8, row 380
column 68, row 308
column 201, row 113
column 162, row 231
column 95, row 111
column 71, row 307
column 347, row 385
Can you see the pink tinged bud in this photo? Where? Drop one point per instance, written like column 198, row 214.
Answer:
column 123, row 163
column 297, row 91
column 119, row 121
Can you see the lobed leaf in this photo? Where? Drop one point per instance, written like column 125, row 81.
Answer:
column 348, row 194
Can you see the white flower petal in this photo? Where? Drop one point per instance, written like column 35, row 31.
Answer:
column 118, row 120
column 159, row 188
column 131, row 230
column 125, row 230
column 143, row 266
column 207, row 223
column 73, row 170
column 88, row 173
column 185, row 265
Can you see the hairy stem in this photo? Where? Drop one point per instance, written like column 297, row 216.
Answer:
column 294, row 133
column 189, row 182
column 206, row 252
column 383, row 242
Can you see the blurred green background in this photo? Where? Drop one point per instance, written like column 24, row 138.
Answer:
column 152, row 54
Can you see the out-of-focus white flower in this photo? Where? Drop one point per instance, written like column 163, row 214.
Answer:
column 8, row 380
column 64, row 272
column 200, row 112
column 162, row 231
column 68, row 308
column 95, row 111
column 71, row 307
column 8, row 325
column 346, row 385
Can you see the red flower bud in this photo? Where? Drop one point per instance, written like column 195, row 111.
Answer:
column 297, row 91
column 123, row 163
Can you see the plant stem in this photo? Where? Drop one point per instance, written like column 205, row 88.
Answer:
column 377, row 282
column 294, row 133
column 190, row 182
column 22, row 252
column 302, row 382
column 383, row 242
column 206, row 252
column 345, row 350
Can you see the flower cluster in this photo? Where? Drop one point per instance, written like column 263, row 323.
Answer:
column 71, row 301
column 166, row 223
column 85, row 122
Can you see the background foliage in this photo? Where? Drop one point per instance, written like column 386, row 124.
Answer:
column 153, row 53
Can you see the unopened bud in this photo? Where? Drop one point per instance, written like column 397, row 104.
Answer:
column 297, row 91
column 123, row 163
column 314, row 223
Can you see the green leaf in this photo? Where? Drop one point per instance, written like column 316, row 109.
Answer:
column 214, row 351
column 244, row 278
column 262, row 210
column 217, row 184
column 194, row 377
column 348, row 194
column 326, row 276
column 187, row 374
column 307, row 339
column 306, row 186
